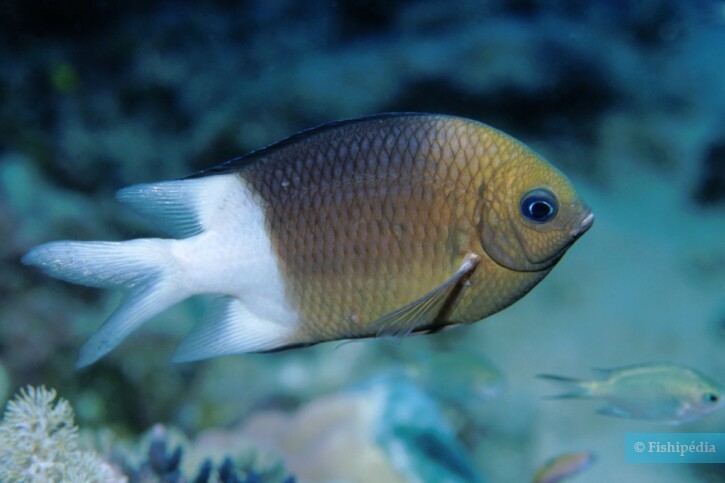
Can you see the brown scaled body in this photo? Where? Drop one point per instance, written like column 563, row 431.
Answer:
column 368, row 216
column 384, row 225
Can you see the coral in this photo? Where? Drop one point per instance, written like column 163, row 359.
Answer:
column 39, row 442
column 394, row 429
column 152, row 460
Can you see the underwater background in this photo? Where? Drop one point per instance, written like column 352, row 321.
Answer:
column 627, row 98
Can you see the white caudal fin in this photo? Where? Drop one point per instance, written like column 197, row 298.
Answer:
column 101, row 264
column 143, row 267
column 225, row 251
column 230, row 328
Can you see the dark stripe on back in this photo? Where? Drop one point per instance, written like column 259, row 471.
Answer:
column 249, row 158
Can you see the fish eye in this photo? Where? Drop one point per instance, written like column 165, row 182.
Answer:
column 539, row 205
column 711, row 397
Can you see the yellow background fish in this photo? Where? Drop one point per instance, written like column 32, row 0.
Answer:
column 389, row 224
column 563, row 467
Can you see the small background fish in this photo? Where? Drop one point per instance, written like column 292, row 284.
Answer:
column 457, row 377
column 668, row 393
column 628, row 102
column 562, row 467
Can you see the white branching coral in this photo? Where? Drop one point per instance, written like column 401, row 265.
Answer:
column 39, row 442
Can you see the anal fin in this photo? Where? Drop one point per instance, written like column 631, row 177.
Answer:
column 431, row 307
column 230, row 328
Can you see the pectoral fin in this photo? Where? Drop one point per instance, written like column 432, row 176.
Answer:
column 430, row 308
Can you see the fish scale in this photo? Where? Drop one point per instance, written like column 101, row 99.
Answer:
column 320, row 274
column 325, row 277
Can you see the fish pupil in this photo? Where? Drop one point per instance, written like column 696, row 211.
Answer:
column 540, row 209
column 712, row 398
column 539, row 206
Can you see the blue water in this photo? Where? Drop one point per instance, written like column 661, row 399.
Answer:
column 627, row 98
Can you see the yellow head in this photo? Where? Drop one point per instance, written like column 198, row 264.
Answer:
column 531, row 213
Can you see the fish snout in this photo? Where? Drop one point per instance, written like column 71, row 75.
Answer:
column 582, row 223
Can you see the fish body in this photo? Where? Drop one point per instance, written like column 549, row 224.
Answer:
column 564, row 466
column 669, row 393
column 390, row 224
column 461, row 377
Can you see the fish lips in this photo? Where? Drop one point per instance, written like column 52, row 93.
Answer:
column 578, row 227
column 581, row 224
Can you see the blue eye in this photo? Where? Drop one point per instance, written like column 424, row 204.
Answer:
column 710, row 398
column 539, row 205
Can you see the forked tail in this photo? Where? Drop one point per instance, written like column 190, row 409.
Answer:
column 575, row 388
column 222, row 248
column 144, row 268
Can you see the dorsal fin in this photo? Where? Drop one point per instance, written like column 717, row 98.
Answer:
column 182, row 208
column 236, row 163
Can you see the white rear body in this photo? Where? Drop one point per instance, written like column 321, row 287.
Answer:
column 223, row 249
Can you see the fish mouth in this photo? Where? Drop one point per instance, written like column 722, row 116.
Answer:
column 582, row 223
